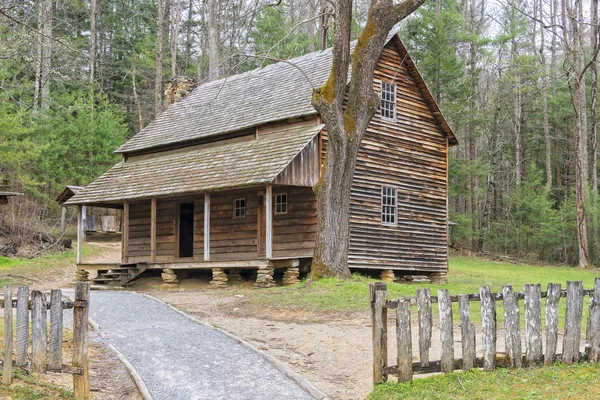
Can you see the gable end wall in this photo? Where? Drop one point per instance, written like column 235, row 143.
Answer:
column 411, row 155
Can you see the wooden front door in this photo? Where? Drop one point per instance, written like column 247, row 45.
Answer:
column 261, row 221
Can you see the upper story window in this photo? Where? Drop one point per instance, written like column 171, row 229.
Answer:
column 389, row 205
column 281, row 205
column 388, row 100
column 239, row 208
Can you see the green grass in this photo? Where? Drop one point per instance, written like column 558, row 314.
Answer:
column 26, row 387
column 466, row 275
column 557, row 382
column 23, row 271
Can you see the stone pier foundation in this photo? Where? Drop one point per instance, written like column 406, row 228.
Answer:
column 264, row 278
column 290, row 276
column 387, row 275
column 219, row 278
column 235, row 276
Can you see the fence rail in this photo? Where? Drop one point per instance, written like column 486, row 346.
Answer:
column 46, row 347
column 518, row 352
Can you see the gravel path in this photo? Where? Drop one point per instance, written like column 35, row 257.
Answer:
column 178, row 358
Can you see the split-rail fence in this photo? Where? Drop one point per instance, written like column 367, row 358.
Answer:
column 46, row 353
column 533, row 347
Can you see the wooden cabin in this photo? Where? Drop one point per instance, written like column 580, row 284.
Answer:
column 223, row 178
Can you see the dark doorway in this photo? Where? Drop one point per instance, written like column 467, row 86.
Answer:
column 186, row 230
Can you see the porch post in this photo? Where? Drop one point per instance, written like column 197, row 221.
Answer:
column 63, row 220
column 79, row 232
column 153, row 230
column 84, row 221
column 207, row 226
column 125, row 232
column 269, row 222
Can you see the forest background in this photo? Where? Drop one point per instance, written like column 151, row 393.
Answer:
column 517, row 81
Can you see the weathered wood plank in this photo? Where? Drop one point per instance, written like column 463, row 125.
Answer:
column 572, row 336
column 533, row 324
column 38, row 332
column 80, row 233
column 379, row 293
column 56, row 329
column 488, row 326
column 207, row 226
column 269, row 221
column 124, row 232
column 81, row 383
column 552, row 298
column 8, row 337
column 594, row 325
column 512, row 327
column 467, row 334
column 404, row 342
column 153, row 230
column 446, row 331
column 425, row 325
column 22, row 325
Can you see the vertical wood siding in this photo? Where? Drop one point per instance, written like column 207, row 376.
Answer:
column 294, row 233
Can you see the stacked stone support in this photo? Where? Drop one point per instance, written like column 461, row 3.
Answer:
column 290, row 276
column 219, row 278
column 235, row 276
column 169, row 276
column 264, row 278
column 387, row 275
column 81, row 276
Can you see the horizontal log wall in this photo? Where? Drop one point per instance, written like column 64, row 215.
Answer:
column 139, row 231
column 411, row 155
column 294, row 233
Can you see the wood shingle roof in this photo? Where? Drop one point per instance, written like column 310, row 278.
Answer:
column 220, row 167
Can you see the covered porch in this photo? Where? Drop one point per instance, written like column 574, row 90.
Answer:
column 254, row 209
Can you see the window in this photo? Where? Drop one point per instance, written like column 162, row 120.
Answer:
column 388, row 100
column 389, row 205
column 240, row 208
column 281, row 203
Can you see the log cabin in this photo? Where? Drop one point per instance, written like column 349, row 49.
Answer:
column 223, row 178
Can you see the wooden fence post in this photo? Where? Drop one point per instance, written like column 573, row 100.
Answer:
column 572, row 337
column 8, row 336
column 594, row 336
column 425, row 325
column 38, row 332
column 81, row 383
column 22, row 326
column 404, row 341
column 56, row 329
column 446, row 331
column 488, row 327
column 467, row 330
column 552, row 299
column 378, row 293
column 512, row 326
column 533, row 324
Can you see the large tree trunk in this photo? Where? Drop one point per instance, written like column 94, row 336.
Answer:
column 346, row 126
column 158, row 49
column 92, row 55
column 136, row 98
column 574, row 55
column 213, row 39
column 547, row 138
column 39, row 54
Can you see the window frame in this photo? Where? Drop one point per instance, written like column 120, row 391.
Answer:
column 394, row 102
column 385, row 212
column 241, row 208
column 287, row 206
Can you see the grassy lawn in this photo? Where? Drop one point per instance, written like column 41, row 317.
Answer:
column 27, row 387
column 557, row 382
column 24, row 271
column 466, row 276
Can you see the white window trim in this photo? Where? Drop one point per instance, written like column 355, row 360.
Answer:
column 394, row 119
column 395, row 223
column 287, row 203
column 235, row 208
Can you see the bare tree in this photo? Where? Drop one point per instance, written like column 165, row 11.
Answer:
column 544, row 89
column 45, row 43
column 175, row 26
column 347, row 123
column 158, row 49
column 573, row 48
column 92, row 55
column 213, row 39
